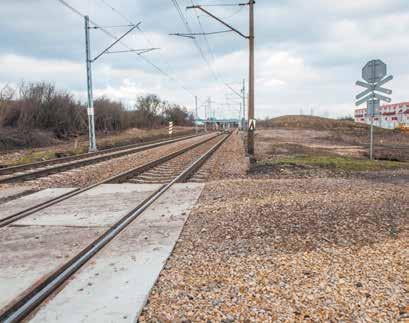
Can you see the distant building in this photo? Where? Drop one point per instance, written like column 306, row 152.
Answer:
column 389, row 116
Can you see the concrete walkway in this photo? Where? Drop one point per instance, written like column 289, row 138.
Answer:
column 114, row 286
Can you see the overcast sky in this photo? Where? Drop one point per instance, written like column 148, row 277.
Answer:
column 308, row 53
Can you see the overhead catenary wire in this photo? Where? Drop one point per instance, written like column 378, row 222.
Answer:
column 186, row 24
column 234, row 13
column 123, row 16
column 146, row 60
column 212, row 54
column 189, row 30
column 116, row 11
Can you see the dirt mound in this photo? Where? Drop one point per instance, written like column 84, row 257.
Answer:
column 320, row 123
column 317, row 123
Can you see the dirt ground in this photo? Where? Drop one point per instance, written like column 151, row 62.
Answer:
column 321, row 135
column 304, row 243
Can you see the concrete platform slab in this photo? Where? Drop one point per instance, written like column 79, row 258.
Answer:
column 29, row 253
column 25, row 202
column 115, row 285
column 101, row 206
column 10, row 193
column 37, row 245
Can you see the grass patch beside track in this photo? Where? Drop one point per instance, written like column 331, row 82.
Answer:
column 43, row 155
column 338, row 163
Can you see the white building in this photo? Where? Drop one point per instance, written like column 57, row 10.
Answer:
column 388, row 116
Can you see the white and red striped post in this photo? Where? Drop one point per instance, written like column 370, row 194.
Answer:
column 170, row 128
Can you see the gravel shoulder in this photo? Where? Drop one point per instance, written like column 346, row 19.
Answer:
column 291, row 248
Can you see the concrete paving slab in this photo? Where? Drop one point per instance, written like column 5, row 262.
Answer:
column 29, row 253
column 25, row 202
column 37, row 245
column 101, row 206
column 10, row 193
column 115, row 285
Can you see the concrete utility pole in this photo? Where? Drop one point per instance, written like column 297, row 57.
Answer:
column 244, row 105
column 250, row 131
column 90, row 110
column 250, row 37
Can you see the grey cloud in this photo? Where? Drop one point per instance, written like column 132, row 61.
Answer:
column 315, row 33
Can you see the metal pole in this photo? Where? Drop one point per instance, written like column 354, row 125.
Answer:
column 196, row 130
column 240, row 123
column 206, row 114
column 372, row 112
column 210, row 112
column 371, row 144
column 250, row 132
column 90, row 110
column 244, row 105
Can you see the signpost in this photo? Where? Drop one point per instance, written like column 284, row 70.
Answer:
column 170, row 128
column 373, row 73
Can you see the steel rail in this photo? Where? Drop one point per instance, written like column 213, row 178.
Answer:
column 18, row 168
column 30, row 302
column 113, row 179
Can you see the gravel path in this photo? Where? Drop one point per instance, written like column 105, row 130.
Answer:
column 288, row 250
column 227, row 162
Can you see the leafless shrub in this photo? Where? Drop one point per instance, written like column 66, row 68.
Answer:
column 110, row 115
column 152, row 112
column 40, row 106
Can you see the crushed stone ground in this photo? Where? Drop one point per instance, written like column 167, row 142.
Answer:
column 260, row 249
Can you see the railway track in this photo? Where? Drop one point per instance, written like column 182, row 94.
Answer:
column 40, row 169
column 188, row 161
column 132, row 173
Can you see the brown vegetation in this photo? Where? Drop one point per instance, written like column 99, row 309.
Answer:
column 37, row 110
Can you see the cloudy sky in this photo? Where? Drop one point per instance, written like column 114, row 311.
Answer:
column 308, row 53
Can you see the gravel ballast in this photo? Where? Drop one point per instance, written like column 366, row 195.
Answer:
column 90, row 174
column 313, row 249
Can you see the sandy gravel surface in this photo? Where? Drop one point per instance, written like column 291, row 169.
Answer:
column 90, row 174
column 290, row 250
column 290, row 245
column 227, row 162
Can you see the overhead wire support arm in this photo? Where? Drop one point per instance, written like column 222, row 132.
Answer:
column 191, row 35
column 219, row 20
column 117, row 26
column 115, row 42
column 183, row 35
column 138, row 51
